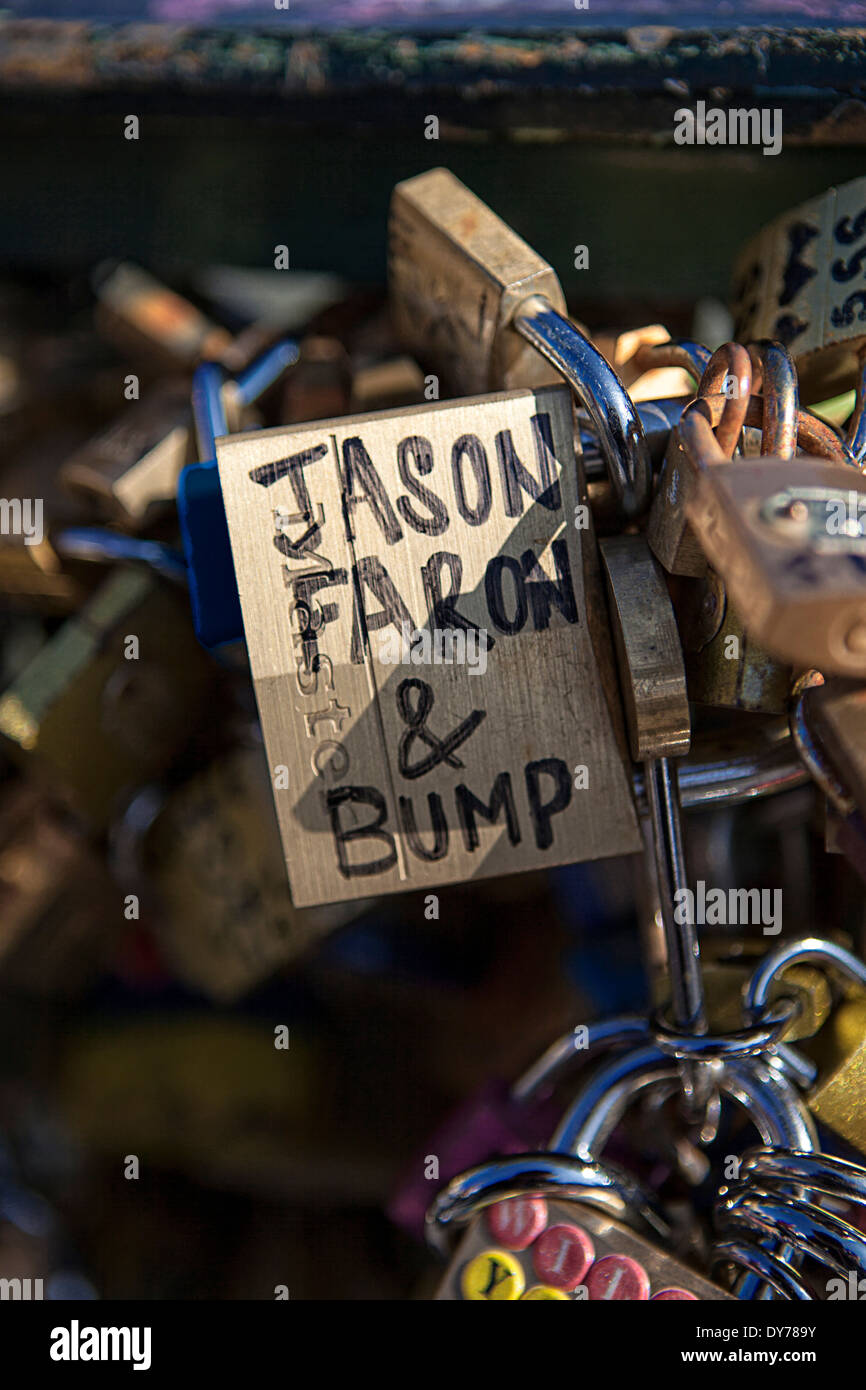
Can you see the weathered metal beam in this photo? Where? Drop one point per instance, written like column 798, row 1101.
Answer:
column 625, row 83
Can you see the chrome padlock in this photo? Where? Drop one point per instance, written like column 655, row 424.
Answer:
column 566, row 1224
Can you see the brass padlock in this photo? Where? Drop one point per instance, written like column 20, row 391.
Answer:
column 649, row 654
column 827, row 725
column 33, row 573
column 212, row 852
column 839, row 1047
column 129, row 471
column 110, row 699
column 319, row 387
column 60, row 910
column 840, row 1050
column 470, row 298
column 456, row 275
column 836, row 709
column 145, row 317
column 727, row 972
column 387, row 385
column 668, row 533
column 385, row 561
column 725, row 666
column 766, row 526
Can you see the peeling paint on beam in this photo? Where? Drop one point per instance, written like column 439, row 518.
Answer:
column 558, row 85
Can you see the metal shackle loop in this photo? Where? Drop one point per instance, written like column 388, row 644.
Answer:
column 705, row 413
column 597, row 386
column 808, row 950
column 766, row 1032
column 766, row 1267
column 785, row 1170
column 764, row 1091
column 778, row 1197
column 566, row 1052
column 692, row 357
column 730, row 362
column 775, row 377
column 810, row 751
column 545, row 1175
column 809, row 1229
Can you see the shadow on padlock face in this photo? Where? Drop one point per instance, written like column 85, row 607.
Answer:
column 448, row 696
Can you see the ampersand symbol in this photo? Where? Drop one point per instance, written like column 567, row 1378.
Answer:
column 415, row 719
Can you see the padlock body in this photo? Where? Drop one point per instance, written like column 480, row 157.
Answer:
column 838, row 1098
column 670, row 537
column 456, row 274
column 797, row 581
column 532, row 1248
column 800, row 281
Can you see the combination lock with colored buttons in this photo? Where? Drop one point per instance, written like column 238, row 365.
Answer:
column 530, row 1248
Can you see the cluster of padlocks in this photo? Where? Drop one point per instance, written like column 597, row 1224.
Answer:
column 509, row 602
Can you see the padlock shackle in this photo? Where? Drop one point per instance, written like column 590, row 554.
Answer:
column 775, row 377
column 554, row 1175
column 761, row 1265
column 690, row 356
column 567, row 1052
column 730, row 362
column 820, row 1235
column 601, row 393
column 702, row 448
column 855, row 434
column 799, row 1181
column 788, row 1170
column 809, row 950
column 767, row 1096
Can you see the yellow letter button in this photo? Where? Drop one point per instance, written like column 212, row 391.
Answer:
column 493, row 1274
